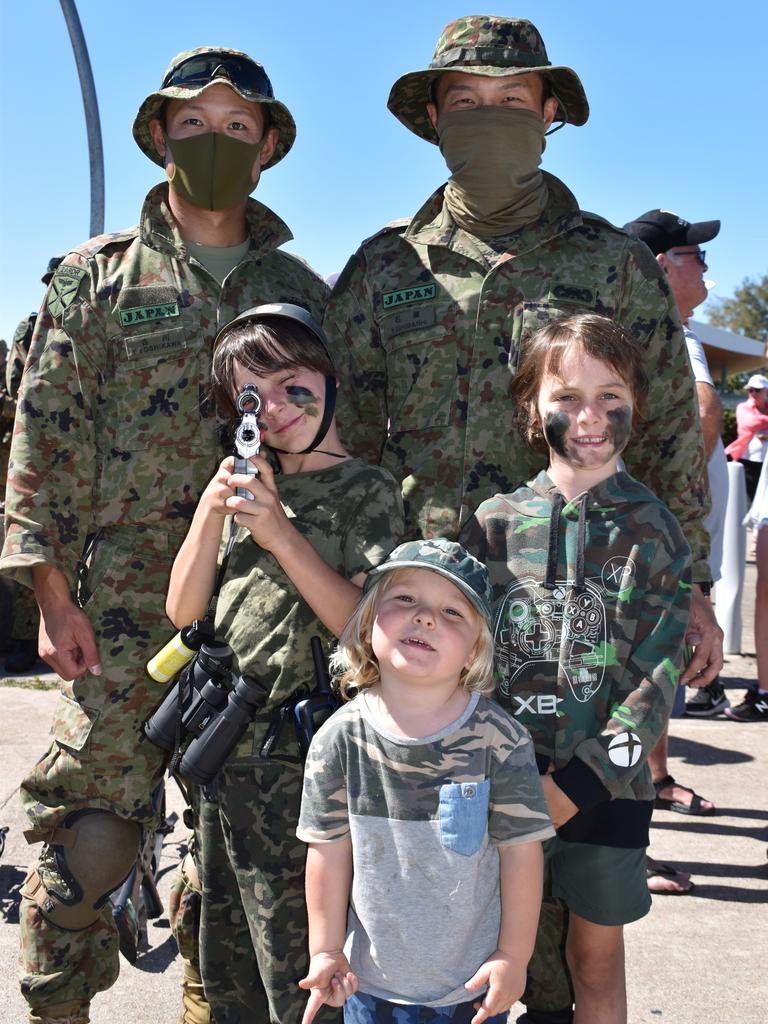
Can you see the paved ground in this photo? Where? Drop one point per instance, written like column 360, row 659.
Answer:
column 694, row 960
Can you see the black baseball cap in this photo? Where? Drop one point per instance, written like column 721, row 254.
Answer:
column 662, row 230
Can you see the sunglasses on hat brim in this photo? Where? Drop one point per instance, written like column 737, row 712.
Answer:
column 245, row 75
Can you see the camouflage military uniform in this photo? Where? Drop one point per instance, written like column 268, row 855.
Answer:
column 115, row 438
column 26, row 617
column 588, row 638
column 427, row 324
column 253, row 935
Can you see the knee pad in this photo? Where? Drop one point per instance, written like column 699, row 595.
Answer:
column 90, row 856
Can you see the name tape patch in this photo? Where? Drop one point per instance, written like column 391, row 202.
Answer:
column 141, row 314
column 415, row 293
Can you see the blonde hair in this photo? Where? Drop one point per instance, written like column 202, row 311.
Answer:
column 355, row 664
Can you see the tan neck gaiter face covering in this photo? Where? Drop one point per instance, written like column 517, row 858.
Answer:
column 493, row 154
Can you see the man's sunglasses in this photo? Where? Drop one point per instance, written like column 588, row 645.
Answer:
column 700, row 254
column 245, row 75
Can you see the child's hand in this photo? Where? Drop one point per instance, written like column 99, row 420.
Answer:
column 329, row 980
column 214, row 497
column 561, row 807
column 263, row 517
column 505, row 979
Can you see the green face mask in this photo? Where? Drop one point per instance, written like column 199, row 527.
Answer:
column 493, row 154
column 213, row 171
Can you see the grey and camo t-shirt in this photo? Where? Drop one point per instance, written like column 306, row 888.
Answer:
column 425, row 817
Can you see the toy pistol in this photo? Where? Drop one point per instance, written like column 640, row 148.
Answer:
column 248, row 434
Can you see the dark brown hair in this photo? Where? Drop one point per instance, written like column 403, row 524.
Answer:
column 270, row 344
column 595, row 336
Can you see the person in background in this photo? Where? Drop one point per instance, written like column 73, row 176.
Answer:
column 751, row 442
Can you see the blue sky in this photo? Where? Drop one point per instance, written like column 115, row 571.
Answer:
column 676, row 91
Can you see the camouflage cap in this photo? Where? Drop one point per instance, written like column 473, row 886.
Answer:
column 279, row 115
column 483, row 44
column 447, row 558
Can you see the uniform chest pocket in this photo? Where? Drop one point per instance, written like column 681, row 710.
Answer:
column 464, row 816
column 158, row 391
column 421, row 369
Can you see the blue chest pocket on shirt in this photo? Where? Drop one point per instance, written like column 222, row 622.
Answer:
column 464, row 816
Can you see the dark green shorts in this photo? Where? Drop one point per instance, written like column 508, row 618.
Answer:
column 603, row 884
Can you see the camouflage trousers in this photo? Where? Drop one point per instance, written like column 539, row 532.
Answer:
column 253, row 929
column 184, row 915
column 548, row 982
column 99, row 757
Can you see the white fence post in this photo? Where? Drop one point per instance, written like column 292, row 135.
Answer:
column 729, row 587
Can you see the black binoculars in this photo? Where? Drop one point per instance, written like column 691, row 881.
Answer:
column 206, row 712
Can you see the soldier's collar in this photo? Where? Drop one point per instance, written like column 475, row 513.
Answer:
column 158, row 228
column 433, row 224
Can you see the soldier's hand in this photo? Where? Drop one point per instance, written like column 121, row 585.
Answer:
column 263, row 517
column 66, row 639
column 67, row 642
column 706, row 637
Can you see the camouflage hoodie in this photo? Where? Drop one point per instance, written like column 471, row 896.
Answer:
column 591, row 601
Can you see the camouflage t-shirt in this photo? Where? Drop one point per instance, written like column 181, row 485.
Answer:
column 351, row 514
column 425, row 817
column 427, row 335
column 591, row 608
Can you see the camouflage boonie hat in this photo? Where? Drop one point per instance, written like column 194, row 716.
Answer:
column 483, row 44
column 279, row 115
column 447, row 558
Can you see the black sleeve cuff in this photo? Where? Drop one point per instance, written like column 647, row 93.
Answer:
column 581, row 784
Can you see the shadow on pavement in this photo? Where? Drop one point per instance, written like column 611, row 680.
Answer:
column 693, row 752
column 707, row 827
column 158, row 959
column 728, row 894
column 11, row 879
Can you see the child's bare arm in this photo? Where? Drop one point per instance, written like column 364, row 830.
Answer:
column 521, row 875
column 330, row 596
column 328, row 880
column 193, row 575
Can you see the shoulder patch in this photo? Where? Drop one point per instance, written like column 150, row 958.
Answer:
column 63, row 288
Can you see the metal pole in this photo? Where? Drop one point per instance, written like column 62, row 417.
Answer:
column 91, row 108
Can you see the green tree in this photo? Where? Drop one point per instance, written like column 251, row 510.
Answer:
column 746, row 312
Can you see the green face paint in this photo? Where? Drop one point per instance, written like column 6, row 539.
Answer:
column 302, row 397
column 213, row 171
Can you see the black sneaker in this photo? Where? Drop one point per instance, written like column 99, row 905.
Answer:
column 754, row 708
column 708, row 701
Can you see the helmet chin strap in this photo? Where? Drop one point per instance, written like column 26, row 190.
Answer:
column 325, row 422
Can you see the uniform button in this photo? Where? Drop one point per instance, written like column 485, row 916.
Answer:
column 469, row 791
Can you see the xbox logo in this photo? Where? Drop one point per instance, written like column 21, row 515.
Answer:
column 625, row 750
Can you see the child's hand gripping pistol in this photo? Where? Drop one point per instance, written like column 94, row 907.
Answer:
column 247, row 435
